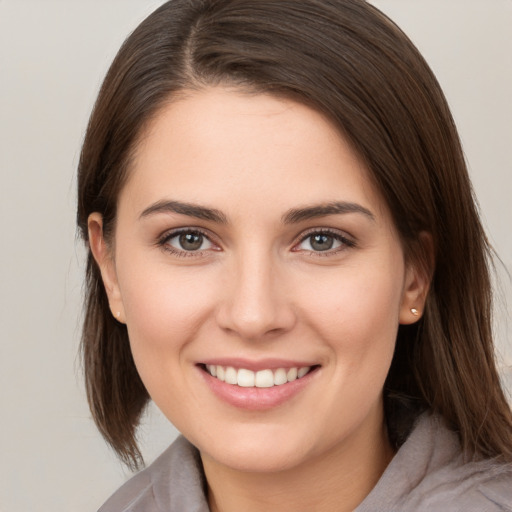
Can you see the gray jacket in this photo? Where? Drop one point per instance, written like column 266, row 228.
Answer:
column 427, row 474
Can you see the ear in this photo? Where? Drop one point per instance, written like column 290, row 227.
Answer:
column 418, row 274
column 104, row 257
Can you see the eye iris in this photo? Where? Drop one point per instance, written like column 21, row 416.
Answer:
column 322, row 242
column 191, row 241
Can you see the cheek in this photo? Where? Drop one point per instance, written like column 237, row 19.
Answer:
column 164, row 308
column 354, row 302
column 356, row 316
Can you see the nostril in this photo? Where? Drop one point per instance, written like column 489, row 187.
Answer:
column 256, row 321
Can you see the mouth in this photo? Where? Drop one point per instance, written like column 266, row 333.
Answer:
column 265, row 378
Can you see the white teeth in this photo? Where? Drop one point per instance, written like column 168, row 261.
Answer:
column 261, row 379
column 302, row 371
column 231, row 375
column 280, row 377
column 245, row 378
column 264, row 379
column 292, row 374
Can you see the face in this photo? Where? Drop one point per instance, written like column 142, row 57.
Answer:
column 261, row 279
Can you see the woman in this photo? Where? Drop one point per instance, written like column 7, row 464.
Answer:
column 285, row 255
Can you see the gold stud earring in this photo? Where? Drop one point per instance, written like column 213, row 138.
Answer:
column 415, row 312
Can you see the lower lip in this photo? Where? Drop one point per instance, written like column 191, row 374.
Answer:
column 256, row 399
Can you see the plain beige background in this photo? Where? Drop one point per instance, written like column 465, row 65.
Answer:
column 53, row 55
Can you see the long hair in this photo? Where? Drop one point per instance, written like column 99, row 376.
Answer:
column 349, row 61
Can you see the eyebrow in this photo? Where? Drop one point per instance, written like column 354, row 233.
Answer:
column 335, row 208
column 191, row 210
column 292, row 216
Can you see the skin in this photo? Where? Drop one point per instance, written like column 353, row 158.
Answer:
column 257, row 288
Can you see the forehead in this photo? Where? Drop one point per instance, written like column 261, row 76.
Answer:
column 219, row 144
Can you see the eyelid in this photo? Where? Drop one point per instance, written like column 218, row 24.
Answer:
column 174, row 232
column 346, row 240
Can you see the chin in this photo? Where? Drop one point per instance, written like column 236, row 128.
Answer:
column 258, row 449
column 257, row 458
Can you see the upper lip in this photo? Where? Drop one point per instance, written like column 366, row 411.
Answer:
column 257, row 365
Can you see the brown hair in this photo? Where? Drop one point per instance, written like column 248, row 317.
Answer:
column 349, row 61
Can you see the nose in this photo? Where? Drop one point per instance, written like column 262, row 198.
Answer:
column 256, row 304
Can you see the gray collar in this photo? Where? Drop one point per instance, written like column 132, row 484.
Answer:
column 428, row 473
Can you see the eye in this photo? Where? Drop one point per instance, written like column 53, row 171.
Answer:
column 324, row 241
column 187, row 241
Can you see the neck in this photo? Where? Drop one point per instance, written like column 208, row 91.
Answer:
column 342, row 478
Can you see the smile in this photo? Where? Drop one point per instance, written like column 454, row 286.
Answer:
column 260, row 379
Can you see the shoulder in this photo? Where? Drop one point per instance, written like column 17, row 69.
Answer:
column 447, row 481
column 174, row 482
column 473, row 487
column 430, row 472
column 137, row 492
column 498, row 491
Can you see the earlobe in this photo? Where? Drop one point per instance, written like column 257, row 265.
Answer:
column 105, row 260
column 417, row 283
column 413, row 298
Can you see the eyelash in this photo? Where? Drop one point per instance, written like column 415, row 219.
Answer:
column 346, row 243
column 163, row 242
